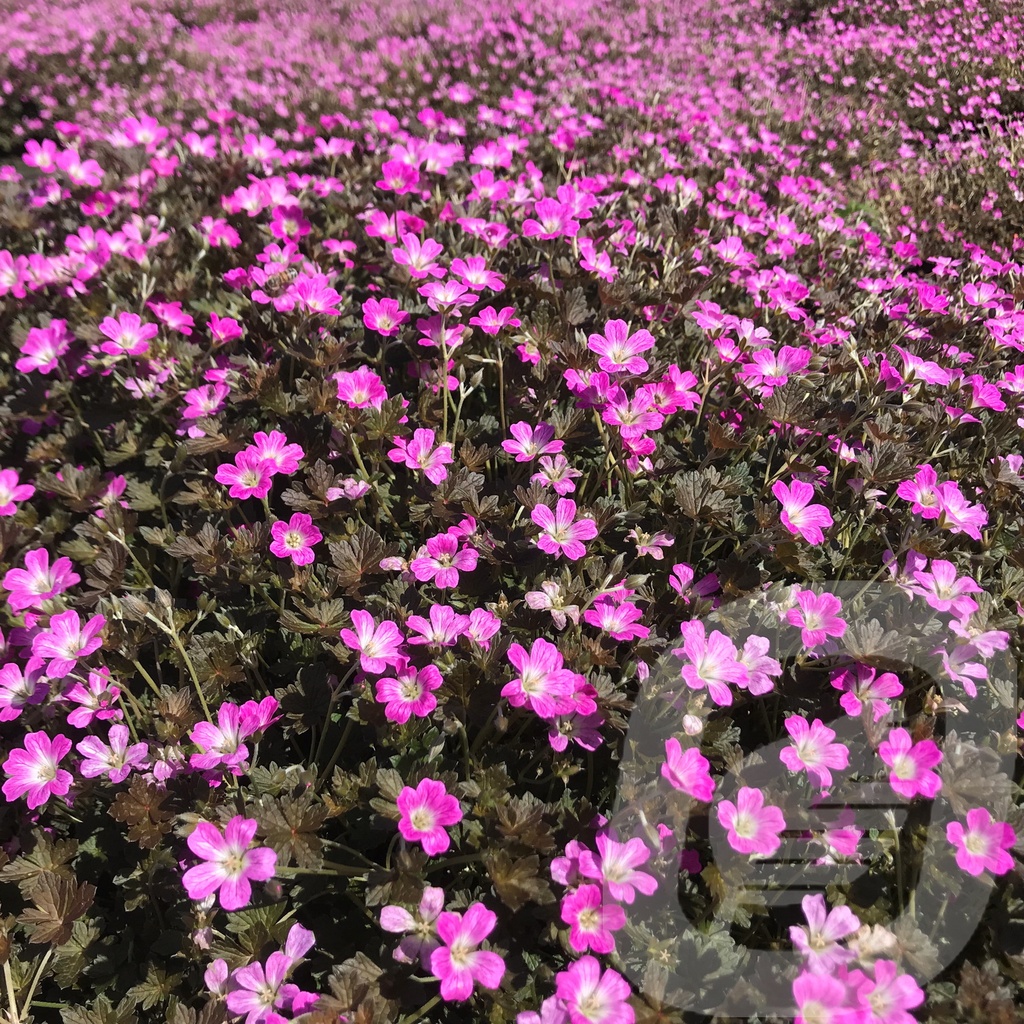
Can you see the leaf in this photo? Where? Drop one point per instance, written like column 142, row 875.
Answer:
column 518, row 882
column 971, row 777
column 141, row 807
column 45, row 856
column 356, row 557
column 289, row 827
column 57, row 904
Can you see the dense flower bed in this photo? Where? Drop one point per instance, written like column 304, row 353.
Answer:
column 449, row 459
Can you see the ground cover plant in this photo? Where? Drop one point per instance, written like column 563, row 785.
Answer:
column 452, row 460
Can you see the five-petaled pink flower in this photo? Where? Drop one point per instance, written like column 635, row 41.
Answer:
column 247, row 477
column 378, row 644
column 799, row 516
column 32, row 772
column 32, row 586
column 127, row 335
column 443, row 560
column 910, row 764
column 887, row 998
column 426, row 811
column 688, row 770
column 711, row 662
column 459, row 963
column 562, row 533
column 619, row 350
column 984, row 844
column 592, row 996
column 65, row 640
column 616, row 866
column 812, row 749
column 295, row 539
column 420, row 453
column 12, row 492
column 528, row 442
column 818, row 942
column 230, row 866
column 409, row 692
column 115, row 760
column 817, row 616
column 543, row 683
column 752, row 825
column 419, row 927
column 591, row 921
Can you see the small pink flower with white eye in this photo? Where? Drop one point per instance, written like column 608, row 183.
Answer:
column 799, row 516
column 409, row 692
column 529, row 442
column 96, row 700
column 491, row 321
column 20, row 688
column 258, row 990
column 910, row 764
column 419, row 258
column 384, row 316
column 43, row 348
column 274, row 451
column 593, row 996
column 442, row 629
column 711, row 662
column 863, row 687
column 821, row 999
column 426, row 811
column 888, row 998
column 399, row 177
column 419, row 927
column 295, row 539
column 34, row 585
column 483, row 625
column 984, row 844
column 621, row 621
column 473, row 273
column 248, row 476
column 127, row 335
column 688, row 770
column 551, row 599
column 32, row 772
column 760, row 666
column 945, row 590
column 616, row 866
column 812, row 749
column 556, row 473
column 753, row 826
column 543, row 683
column 819, row 941
column 619, row 350
column 562, row 533
column 443, row 561
column 65, row 640
column 420, row 453
column 361, row 389
column 12, row 492
column 220, row 744
column 116, row 760
column 458, row 962
column 379, row 645
column 651, row 544
column 230, row 866
column 591, row 921
column 817, row 616
column 922, row 492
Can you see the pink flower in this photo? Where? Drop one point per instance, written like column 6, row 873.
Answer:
column 420, row 259
column 32, row 772
column 361, row 389
column 562, row 534
column 813, row 750
column 801, row 518
column 616, row 866
column 231, row 866
column 591, row 921
column 117, row 760
column 426, row 811
column 490, row 320
column 619, row 350
column 65, row 640
column 620, row 621
column 419, row 927
column 20, row 688
column 443, row 561
column 459, row 963
column 922, row 492
column 442, row 629
column 688, row 771
column 593, row 997
column 274, row 451
column 889, row 998
column 258, row 990
column 473, row 273
column 482, row 626
column 752, row 826
column 43, row 347
column 295, row 539
column 98, row 701
column 248, row 476
column 398, row 177
column 127, row 335
column 712, row 662
column 819, row 941
column 529, row 442
column 11, row 492
column 220, row 744
column 817, row 617
column 420, row 453
column 864, row 688
column 759, row 665
column 34, row 585
column 945, row 590
column 821, row 999
column 542, row 682
column 557, row 474
column 410, row 692
column 378, row 645
column 910, row 764
column 984, row 844
column 384, row 316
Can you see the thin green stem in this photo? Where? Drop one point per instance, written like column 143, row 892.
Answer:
column 35, row 980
